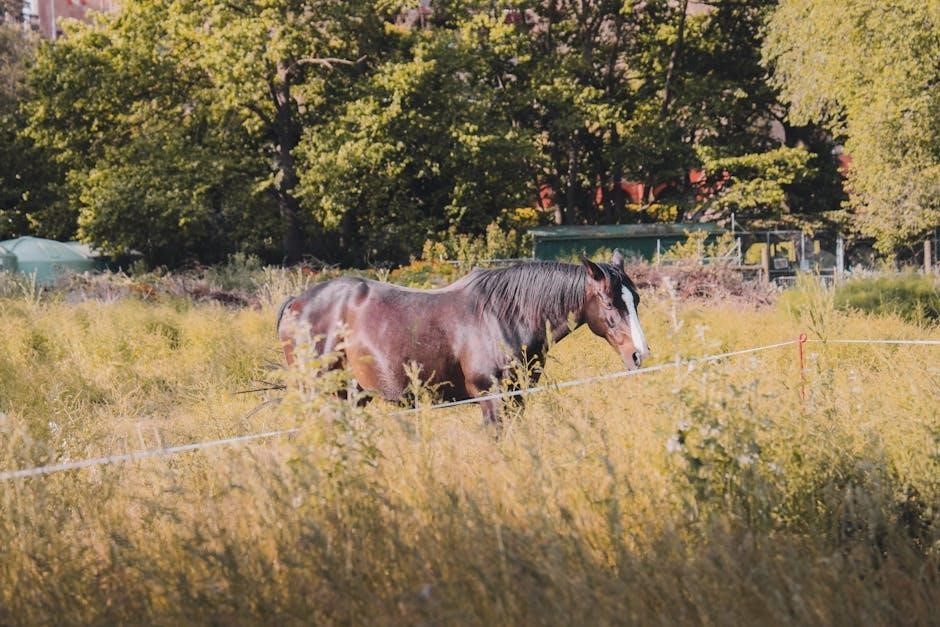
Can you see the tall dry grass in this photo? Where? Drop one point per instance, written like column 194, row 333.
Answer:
column 704, row 495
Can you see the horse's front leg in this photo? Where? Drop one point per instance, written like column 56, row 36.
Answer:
column 492, row 412
column 491, row 407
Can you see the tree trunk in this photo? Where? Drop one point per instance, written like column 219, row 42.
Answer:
column 618, row 198
column 571, row 194
column 286, row 135
column 674, row 58
column 291, row 236
column 348, row 232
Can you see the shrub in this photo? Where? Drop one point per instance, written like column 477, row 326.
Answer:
column 909, row 296
column 697, row 248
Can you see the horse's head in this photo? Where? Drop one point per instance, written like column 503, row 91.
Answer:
column 610, row 306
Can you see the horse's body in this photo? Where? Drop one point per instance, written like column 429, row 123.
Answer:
column 464, row 337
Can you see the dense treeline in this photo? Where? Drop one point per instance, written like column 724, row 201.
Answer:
column 355, row 130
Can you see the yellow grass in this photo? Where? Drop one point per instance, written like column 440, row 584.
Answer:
column 709, row 495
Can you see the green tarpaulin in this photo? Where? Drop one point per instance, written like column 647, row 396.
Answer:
column 45, row 258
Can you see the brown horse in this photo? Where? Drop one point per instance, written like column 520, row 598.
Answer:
column 464, row 337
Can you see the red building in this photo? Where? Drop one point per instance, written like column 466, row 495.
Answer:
column 47, row 15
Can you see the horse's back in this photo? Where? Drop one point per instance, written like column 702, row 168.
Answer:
column 381, row 329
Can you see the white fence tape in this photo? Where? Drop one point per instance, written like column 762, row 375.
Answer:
column 604, row 377
column 137, row 455
column 896, row 342
column 197, row 446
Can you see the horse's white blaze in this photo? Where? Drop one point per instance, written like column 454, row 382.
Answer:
column 636, row 331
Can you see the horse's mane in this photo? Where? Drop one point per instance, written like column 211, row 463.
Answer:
column 530, row 292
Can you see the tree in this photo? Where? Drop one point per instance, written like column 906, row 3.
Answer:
column 152, row 164
column 645, row 92
column 868, row 71
column 183, row 116
column 29, row 201
column 752, row 186
column 188, row 130
column 427, row 143
column 279, row 65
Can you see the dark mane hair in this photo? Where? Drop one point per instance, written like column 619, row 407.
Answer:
column 530, row 292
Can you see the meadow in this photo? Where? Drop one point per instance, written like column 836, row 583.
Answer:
column 704, row 494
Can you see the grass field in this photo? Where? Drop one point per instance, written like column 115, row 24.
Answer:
column 706, row 495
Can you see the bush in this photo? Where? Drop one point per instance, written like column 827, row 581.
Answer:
column 909, row 296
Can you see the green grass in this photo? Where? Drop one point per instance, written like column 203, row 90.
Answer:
column 911, row 296
column 705, row 495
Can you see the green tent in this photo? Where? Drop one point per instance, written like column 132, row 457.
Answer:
column 45, row 258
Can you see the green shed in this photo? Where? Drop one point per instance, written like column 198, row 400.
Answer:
column 46, row 258
column 637, row 240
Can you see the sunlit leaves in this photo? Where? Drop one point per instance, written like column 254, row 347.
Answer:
column 869, row 70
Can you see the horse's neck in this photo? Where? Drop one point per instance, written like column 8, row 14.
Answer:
column 551, row 331
column 562, row 330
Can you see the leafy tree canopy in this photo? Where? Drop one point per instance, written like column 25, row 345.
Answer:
column 353, row 130
column 868, row 70
column 29, row 195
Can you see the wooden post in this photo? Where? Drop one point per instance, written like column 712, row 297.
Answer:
column 928, row 256
column 765, row 262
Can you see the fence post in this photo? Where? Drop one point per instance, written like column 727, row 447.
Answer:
column 804, row 262
column 840, row 257
column 765, row 263
column 928, row 256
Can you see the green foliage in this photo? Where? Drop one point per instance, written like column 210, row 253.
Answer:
column 326, row 128
column 813, row 303
column 868, row 71
column 432, row 270
column 153, row 166
column 190, row 130
column 426, row 145
column 754, row 186
column 28, row 179
column 696, row 246
column 505, row 238
column 239, row 272
column 737, row 466
column 910, row 296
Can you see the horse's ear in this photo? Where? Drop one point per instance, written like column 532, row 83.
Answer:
column 617, row 259
column 593, row 270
